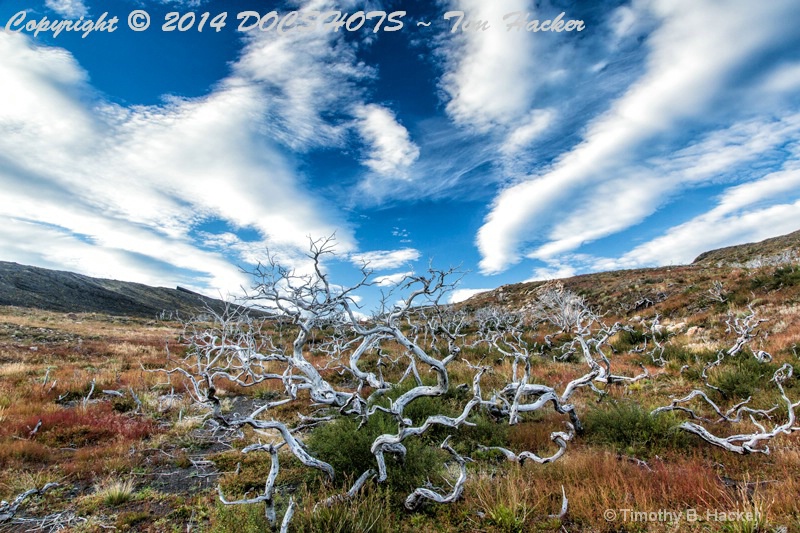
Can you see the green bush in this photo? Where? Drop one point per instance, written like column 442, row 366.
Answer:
column 631, row 430
column 123, row 404
column 421, row 408
column 250, row 518
column 370, row 512
column 346, row 447
column 787, row 276
column 742, row 376
column 628, row 339
column 680, row 354
column 252, row 470
column 132, row 519
column 486, row 431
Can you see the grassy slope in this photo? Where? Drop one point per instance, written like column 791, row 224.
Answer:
column 89, row 448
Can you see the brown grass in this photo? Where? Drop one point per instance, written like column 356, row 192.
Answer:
column 80, row 447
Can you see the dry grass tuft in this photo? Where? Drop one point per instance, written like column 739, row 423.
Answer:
column 114, row 491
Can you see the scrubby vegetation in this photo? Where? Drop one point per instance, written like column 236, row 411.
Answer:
column 84, row 406
column 628, row 428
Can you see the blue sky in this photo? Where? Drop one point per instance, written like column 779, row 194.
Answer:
column 663, row 129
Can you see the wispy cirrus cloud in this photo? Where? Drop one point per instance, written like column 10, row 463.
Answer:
column 71, row 9
column 114, row 182
column 385, row 259
column 487, row 76
column 304, row 78
column 749, row 212
column 630, row 161
column 390, row 280
column 459, row 295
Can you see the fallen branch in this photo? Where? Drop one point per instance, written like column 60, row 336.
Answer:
column 415, row 498
column 8, row 510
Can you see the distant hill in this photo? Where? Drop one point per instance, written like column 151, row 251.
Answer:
column 54, row 290
column 768, row 271
column 771, row 252
column 745, row 271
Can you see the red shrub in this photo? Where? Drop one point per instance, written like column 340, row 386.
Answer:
column 78, row 427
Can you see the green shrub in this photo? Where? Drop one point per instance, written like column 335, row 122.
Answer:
column 787, row 276
column 251, row 469
column 346, row 447
column 680, row 354
column 486, row 431
column 123, row 404
column 628, row 339
column 421, row 408
column 631, row 430
column 506, row 519
column 742, row 376
column 131, row 520
column 370, row 512
column 250, row 518
column 479, row 352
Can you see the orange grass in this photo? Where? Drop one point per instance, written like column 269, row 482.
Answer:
column 84, row 445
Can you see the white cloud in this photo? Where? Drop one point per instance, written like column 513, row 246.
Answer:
column 108, row 183
column 539, row 120
column 623, row 21
column 54, row 247
column 392, row 151
column 556, row 270
column 304, row 76
column 390, row 280
column 748, row 212
column 459, row 295
column 489, row 73
column 637, row 191
column 745, row 213
column 385, row 259
column 71, row 9
column 183, row 3
column 784, row 79
column 610, row 181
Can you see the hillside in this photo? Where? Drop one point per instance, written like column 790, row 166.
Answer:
column 53, row 290
column 608, row 413
column 767, row 271
column 775, row 251
column 674, row 291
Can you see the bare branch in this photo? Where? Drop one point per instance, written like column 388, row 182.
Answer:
column 745, row 443
column 415, row 498
column 8, row 510
column 560, row 438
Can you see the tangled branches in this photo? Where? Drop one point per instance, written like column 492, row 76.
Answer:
column 312, row 340
column 745, row 328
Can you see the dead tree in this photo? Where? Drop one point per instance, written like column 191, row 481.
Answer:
column 589, row 340
column 8, row 510
column 411, row 334
column 559, row 306
column 744, row 443
column 745, row 329
column 717, row 292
